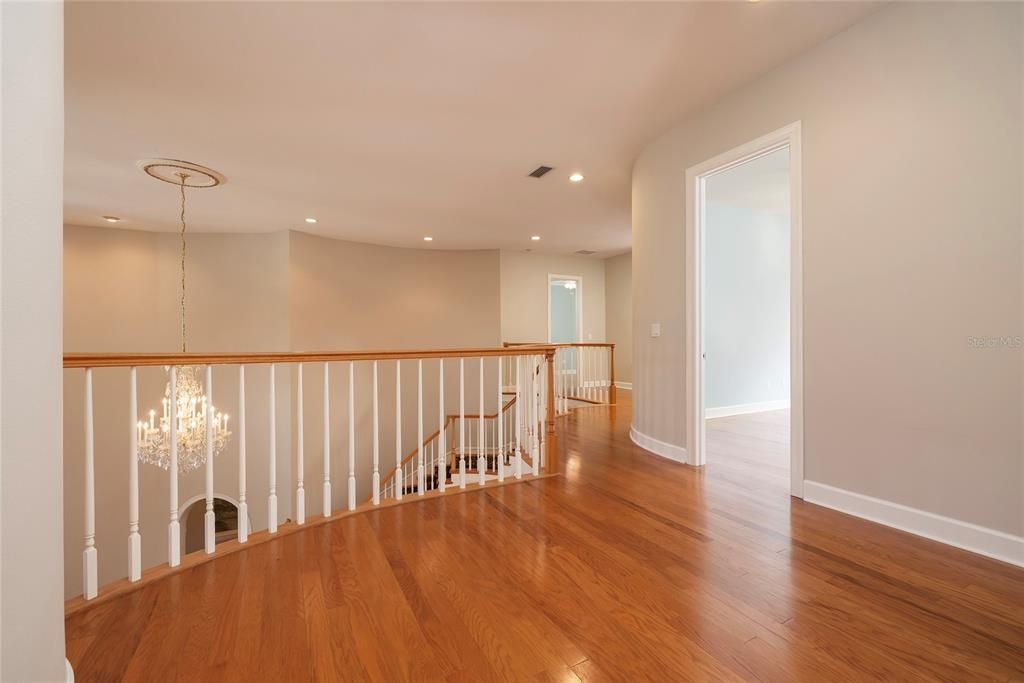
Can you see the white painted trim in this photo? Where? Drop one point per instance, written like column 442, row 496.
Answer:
column 745, row 409
column 977, row 539
column 695, row 181
column 657, row 447
column 202, row 496
column 579, row 302
column 628, row 386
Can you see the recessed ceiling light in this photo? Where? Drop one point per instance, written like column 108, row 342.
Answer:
column 428, row 239
column 576, row 177
column 111, row 219
column 535, row 238
column 311, row 220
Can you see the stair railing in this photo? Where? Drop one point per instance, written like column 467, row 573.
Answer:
column 476, row 445
column 584, row 374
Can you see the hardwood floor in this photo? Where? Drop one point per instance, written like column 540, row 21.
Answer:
column 628, row 568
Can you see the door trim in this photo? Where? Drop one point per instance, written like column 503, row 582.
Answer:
column 579, row 302
column 788, row 136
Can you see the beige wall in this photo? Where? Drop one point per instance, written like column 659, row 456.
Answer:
column 524, row 294
column 283, row 291
column 346, row 295
column 121, row 292
column 351, row 296
column 32, row 117
column 618, row 303
column 912, row 222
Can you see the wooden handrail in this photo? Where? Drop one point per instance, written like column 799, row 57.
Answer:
column 545, row 345
column 126, row 360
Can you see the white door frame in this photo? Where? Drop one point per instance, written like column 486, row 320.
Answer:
column 579, row 302
column 696, row 176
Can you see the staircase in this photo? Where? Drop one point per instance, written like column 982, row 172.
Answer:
column 470, row 449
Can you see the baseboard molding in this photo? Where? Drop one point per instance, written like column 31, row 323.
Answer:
column 659, row 448
column 977, row 539
column 625, row 385
column 745, row 408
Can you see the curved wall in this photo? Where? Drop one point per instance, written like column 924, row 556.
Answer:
column 912, row 220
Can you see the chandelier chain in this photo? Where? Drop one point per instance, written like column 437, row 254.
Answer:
column 183, row 177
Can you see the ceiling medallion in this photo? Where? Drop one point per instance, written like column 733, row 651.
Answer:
column 170, row 170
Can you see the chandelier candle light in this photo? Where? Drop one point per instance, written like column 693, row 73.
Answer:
column 192, row 407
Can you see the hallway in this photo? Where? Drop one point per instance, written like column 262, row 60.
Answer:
column 628, row 567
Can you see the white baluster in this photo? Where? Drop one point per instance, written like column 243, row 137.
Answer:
column 351, row 436
column 90, row 576
column 134, row 537
column 399, row 480
column 530, row 404
column 518, row 450
column 272, row 498
column 300, row 455
column 602, row 362
column 462, row 423
column 243, row 506
column 442, row 454
column 174, row 528
column 592, row 352
column 500, row 423
column 421, row 476
column 327, row 441
column 539, row 414
column 376, row 441
column 209, row 518
column 481, row 450
column 563, row 363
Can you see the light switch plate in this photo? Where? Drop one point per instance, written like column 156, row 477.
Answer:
column 655, row 329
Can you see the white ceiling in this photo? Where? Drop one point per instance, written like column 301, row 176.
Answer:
column 388, row 122
column 761, row 184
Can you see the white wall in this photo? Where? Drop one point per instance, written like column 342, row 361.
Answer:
column 746, row 284
column 524, row 294
column 31, row 560
column 618, row 286
column 912, row 215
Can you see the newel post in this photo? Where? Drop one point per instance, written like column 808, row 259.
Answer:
column 549, row 409
column 611, row 386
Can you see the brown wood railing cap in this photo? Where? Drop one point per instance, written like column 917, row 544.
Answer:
column 558, row 344
column 115, row 360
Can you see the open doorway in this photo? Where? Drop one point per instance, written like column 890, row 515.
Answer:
column 565, row 310
column 193, row 525
column 744, row 303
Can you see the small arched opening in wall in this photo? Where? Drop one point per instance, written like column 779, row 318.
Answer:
column 193, row 529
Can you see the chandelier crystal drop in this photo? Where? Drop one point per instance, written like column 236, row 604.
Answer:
column 192, row 411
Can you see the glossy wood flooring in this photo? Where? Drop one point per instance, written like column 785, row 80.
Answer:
column 628, row 568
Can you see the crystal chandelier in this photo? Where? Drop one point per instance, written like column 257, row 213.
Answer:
column 192, row 411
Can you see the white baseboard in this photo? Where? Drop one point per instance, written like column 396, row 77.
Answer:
column 745, row 408
column 978, row 539
column 660, row 448
column 625, row 385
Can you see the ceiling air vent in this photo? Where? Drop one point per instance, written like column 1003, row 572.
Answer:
column 585, row 252
column 539, row 171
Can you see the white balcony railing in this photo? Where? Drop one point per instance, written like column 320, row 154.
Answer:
column 584, row 373
column 502, row 427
